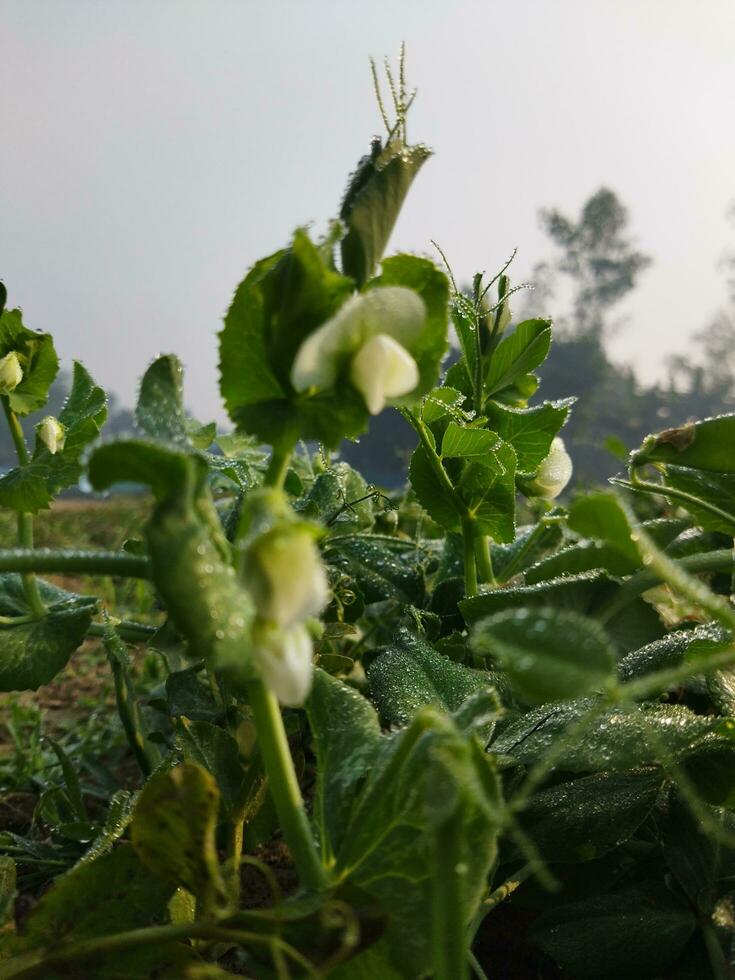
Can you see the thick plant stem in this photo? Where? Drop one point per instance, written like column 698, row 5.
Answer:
column 278, row 467
column 74, row 562
column 470, row 565
column 484, row 560
column 449, row 933
column 25, row 521
column 284, row 786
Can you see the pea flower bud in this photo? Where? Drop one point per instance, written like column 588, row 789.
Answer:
column 11, row 373
column 369, row 340
column 283, row 658
column 52, row 434
column 553, row 474
column 284, row 573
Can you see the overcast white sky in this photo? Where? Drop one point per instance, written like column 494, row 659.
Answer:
column 151, row 150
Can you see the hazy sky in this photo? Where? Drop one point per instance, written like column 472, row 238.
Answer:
column 151, row 150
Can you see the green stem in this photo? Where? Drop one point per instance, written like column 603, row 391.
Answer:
column 278, row 466
column 712, row 561
column 74, row 562
column 38, row 965
column 25, row 521
column 126, row 629
column 284, row 786
column 470, row 565
column 127, row 707
column 484, row 560
column 672, row 493
column 427, row 441
column 449, row 938
column 516, row 562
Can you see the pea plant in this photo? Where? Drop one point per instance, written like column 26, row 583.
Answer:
column 453, row 713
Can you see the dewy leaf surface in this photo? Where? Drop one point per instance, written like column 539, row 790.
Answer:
column 705, row 445
column 33, row 653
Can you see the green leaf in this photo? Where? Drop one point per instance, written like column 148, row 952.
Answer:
column 706, row 445
column 340, row 500
column 424, row 278
column 388, row 848
column 549, row 654
column 38, row 360
column 159, row 413
column 582, row 819
column 347, row 736
column 33, row 653
column 619, row 738
column 372, row 202
column 283, row 299
column 215, row 750
column 173, row 830
column 530, row 431
column 28, row 489
column 490, row 494
column 599, row 515
column 710, row 771
column 381, row 567
column 672, row 650
column 187, row 695
column 711, row 488
column 637, row 933
column 441, row 403
column 411, row 674
column 431, row 492
column 516, row 355
column 468, row 443
column 117, row 820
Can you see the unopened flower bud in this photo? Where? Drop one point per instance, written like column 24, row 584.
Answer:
column 284, row 661
column 382, row 369
column 284, row 573
column 553, row 474
column 11, row 373
column 52, row 434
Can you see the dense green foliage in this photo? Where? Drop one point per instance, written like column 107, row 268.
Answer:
column 497, row 713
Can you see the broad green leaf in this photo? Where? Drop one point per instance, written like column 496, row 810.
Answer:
column 637, row 933
column 389, row 842
column 431, row 492
column 38, row 360
column 467, row 443
column 31, row 488
column 424, row 278
column 706, row 445
column 672, row 650
column 173, row 830
column 599, row 515
column 710, row 771
column 381, row 567
column 586, row 556
column 373, row 201
column 530, row 431
column 340, row 500
column 587, row 593
column 619, row 738
column 215, row 750
column 346, row 736
column 411, row 674
column 530, row 545
column 441, row 403
column 582, row 819
column 187, row 695
column 717, row 489
column 549, row 654
column 489, row 492
column 112, row 894
column 283, row 299
column 516, row 355
column 159, row 413
column 33, row 653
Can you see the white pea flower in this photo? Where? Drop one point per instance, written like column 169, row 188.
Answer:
column 382, row 369
column 369, row 338
column 11, row 373
column 553, row 474
column 284, row 573
column 284, row 660
column 52, row 434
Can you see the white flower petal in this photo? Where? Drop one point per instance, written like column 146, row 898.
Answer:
column 284, row 660
column 383, row 369
column 286, row 577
